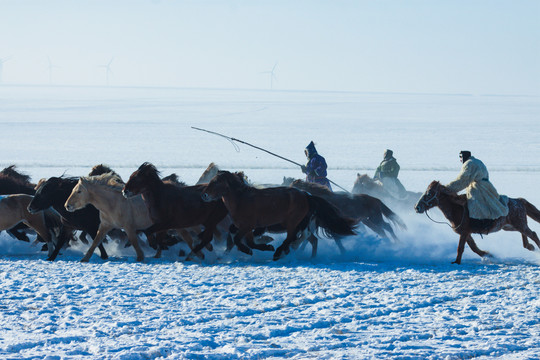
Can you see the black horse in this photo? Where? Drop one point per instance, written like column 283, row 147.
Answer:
column 54, row 193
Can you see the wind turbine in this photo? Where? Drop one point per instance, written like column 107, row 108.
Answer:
column 50, row 67
column 272, row 75
column 108, row 70
column 2, row 61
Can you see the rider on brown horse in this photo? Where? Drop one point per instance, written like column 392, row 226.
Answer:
column 315, row 169
column 484, row 203
column 387, row 174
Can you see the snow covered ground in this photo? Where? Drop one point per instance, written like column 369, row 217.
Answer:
column 380, row 300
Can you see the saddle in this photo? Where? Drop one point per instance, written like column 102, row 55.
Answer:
column 481, row 226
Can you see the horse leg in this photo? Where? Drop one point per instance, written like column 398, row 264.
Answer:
column 532, row 235
column 475, row 248
column 526, row 244
column 339, row 244
column 238, row 241
column 134, row 240
column 63, row 238
column 314, row 244
column 252, row 244
column 461, row 248
column 100, row 235
column 284, row 247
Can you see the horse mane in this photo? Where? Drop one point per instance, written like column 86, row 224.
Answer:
column 454, row 197
column 101, row 169
column 237, row 180
column 311, row 187
column 109, row 180
column 173, row 179
column 11, row 172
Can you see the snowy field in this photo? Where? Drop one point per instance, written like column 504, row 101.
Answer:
column 379, row 301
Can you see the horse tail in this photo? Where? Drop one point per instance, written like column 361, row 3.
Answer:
column 52, row 221
column 329, row 218
column 532, row 211
column 392, row 216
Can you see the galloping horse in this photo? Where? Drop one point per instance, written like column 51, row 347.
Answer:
column 14, row 182
column 364, row 184
column 454, row 208
column 53, row 193
column 360, row 207
column 290, row 208
column 13, row 210
column 175, row 207
column 115, row 211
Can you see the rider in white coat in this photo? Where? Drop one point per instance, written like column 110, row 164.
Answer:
column 483, row 200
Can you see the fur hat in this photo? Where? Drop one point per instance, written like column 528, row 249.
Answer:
column 465, row 155
column 310, row 149
column 388, row 154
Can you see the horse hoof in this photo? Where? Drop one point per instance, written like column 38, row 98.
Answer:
column 530, row 247
column 50, row 259
column 270, row 248
column 140, row 259
column 209, row 247
column 84, row 260
column 456, row 262
column 181, row 253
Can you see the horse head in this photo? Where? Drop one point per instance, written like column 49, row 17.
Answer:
column 140, row 180
column 46, row 191
column 221, row 185
column 79, row 196
column 430, row 198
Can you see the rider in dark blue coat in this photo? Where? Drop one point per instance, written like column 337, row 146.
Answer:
column 315, row 169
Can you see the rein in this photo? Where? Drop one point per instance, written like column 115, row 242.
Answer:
column 434, row 197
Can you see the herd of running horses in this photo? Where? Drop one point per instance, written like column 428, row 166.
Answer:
column 223, row 206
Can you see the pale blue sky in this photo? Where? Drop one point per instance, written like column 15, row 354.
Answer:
column 428, row 46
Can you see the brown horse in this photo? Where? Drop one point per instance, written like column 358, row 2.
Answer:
column 14, row 210
column 289, row 208
column 175, row 207
column 115, row 212
column 360, row 207
column 454, row 208
column 364, row 184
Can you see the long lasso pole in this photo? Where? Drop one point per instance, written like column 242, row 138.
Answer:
column 231, row 139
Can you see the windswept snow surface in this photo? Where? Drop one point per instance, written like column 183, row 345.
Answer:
column 381, row 300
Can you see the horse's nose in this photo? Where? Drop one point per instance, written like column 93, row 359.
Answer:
column 127, row 193
column 31, row 210
column 205, row 197
column 418, row 208
column 69, row 207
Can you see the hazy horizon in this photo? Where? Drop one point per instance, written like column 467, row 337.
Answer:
column 479, row 47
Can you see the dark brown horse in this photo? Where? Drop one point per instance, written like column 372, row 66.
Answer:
column 175, row 207
column 360, row 207
column 289, row 208
column 454, row 208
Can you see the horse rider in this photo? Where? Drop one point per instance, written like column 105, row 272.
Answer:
column 484, row 203
column 387, row 174
column 315, row 169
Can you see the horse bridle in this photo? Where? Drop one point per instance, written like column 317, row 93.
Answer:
column 427, row 204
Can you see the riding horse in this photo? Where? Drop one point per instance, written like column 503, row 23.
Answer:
column 175, row 207
column 54, row 192
column 360, row 207
column 115, row 211
column 364, row 184
column 290, row 208
column 454, row 208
